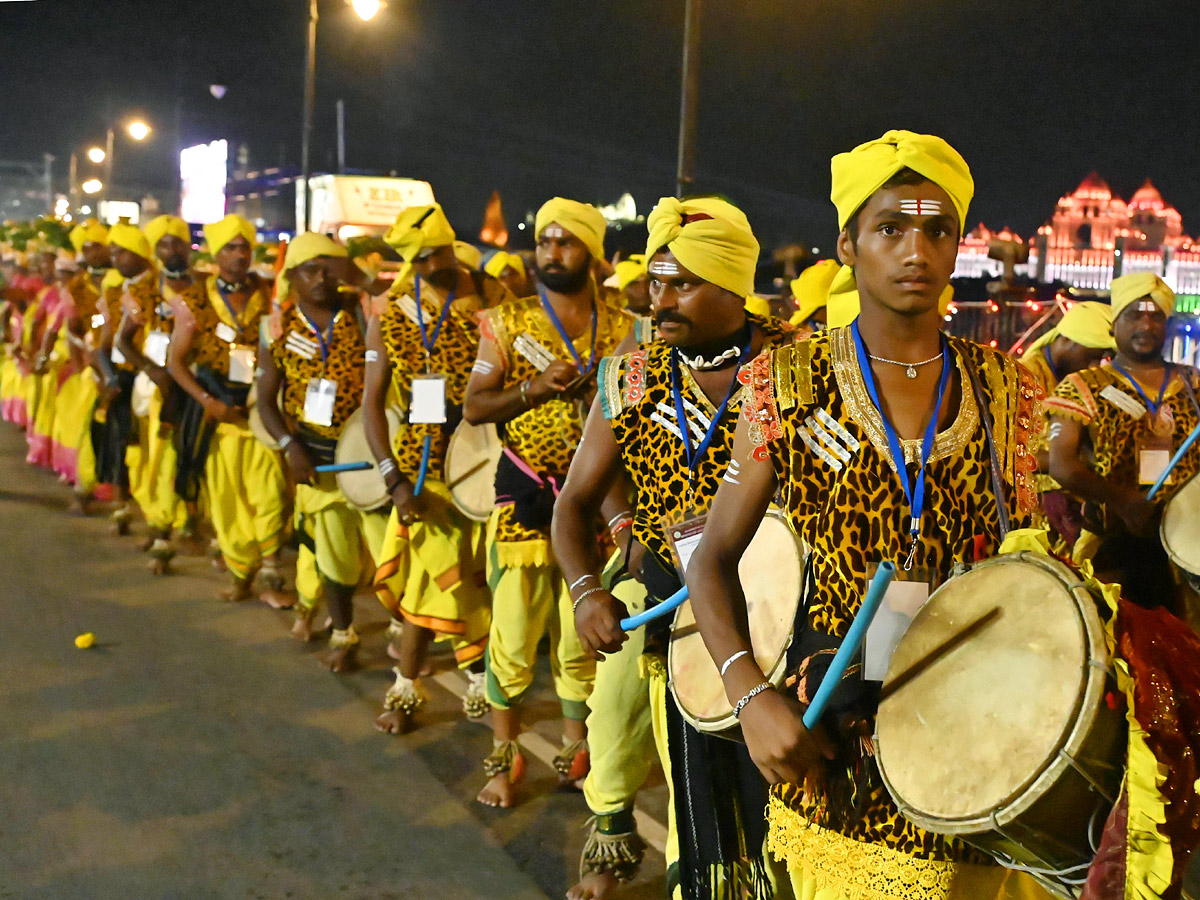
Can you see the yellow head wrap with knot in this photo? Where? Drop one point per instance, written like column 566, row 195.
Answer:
column 218, row 234
column 112, row 279
column 1088, row 324
column 629, row 270
column 502, row 260
column 709, row 237
column 131, row 238
column 160, row 226
column 89, row 232
column 857, row 175
column 302, row 249
column 811, row 289
column 581, row 219
column 1130, row 288
column 419, row 227
column 468, row 254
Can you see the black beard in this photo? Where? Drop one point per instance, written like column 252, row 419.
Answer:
column 176, row 267
column 564, row 282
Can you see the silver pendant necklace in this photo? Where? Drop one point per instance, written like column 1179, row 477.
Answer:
column 910, row 369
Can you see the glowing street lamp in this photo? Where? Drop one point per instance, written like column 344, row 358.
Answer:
column 138, row 130
column 367, row 9
column 97, row 155
column 92, row 186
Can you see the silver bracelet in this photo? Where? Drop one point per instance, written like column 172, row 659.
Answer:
column 575, row 603
column 524, row 388
column 286, row 441
column 750, row 695
column 624, row 514
column 729, row 662
column 580, row 580
column 387, row 467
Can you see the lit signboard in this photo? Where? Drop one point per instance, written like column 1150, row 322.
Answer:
column 202, row 174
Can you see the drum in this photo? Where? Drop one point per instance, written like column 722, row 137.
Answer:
column 771, row 573
column 994, row 727
column 255, row 420
column 1180, row 531
column 470, row 472
column 363, row 489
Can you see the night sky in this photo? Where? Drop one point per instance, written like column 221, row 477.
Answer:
column 536, row 98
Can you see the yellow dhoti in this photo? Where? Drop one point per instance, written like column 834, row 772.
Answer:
column 151, row 464
column 339, row 542
column 246, row 498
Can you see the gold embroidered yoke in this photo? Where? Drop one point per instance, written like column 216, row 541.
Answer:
column 85, row 298
column 636, row 398
column 546, row 436
column 812, row 417
column 205, row 303
column 452, row 356
column 1114, row 432
column 297, row 355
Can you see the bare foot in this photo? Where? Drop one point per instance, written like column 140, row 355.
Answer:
column 302, row 629
column 158, row 566
column 276, row 599
column 500, row 791
column 393, row 721
column 81, row 504
column 218, row 563
column 237, row 592
column 393, row 650
column 593, row 886
column 341, row 660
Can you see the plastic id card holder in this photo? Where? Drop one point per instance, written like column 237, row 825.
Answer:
column 903, row 600
column 428, row 405
column 117, row 356
column 241, row 364
column 225, row 333
column 155, row 347
column 684, row 537
column 319, row 400
column 1153, row 455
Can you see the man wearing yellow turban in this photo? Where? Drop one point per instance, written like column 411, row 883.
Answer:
column 811, row 294
column 701, row 260
column 171, row 239
column 870, row 433
column 468, row 254
column 509, row 270
column 215, row 344
column 535, row 374
column 423, row 338
column 1113, row 430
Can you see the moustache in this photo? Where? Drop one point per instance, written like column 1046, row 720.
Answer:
column 671, row 317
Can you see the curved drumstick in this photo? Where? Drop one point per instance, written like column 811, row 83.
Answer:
column 1184, row 448
column 656, row 612
column 345, row 467
column 424, row 465
column 850, row 643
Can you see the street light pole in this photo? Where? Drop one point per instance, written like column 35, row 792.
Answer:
column 310, row 92
column 109, row 141
column 685, row 169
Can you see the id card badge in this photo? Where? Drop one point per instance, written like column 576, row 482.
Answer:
column 226, row 333
column 1153, row 455
column 98, row 320
column 904, row 598
column 684, row 538
column 117, row 356
column 428, row 406
column 319, row 400
column 241, row 364
column 155, row 347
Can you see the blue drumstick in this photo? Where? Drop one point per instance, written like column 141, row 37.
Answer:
column 424, row 465
column 655, row 612
column 851, row 643
column 345, row 467
column 1187, row 445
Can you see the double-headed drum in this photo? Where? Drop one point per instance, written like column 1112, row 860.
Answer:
column 470, row 472
column 1180, row 531
column 363, row 489
column 1005, row 738
column 771, row 574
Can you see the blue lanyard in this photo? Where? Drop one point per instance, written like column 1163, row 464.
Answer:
column 693, row 459
column 237, row 321
column 915, row 494
column 1050, row 363
column 562, row 332
column 1153, row 407
column 426, row 340
column 323, row 341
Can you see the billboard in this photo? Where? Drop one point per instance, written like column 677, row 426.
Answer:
column 202, row 175
column 346, row 205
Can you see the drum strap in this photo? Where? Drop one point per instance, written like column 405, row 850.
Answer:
column 981, row 401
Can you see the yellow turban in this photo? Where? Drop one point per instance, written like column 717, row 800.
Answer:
column 759, row 306
column 131, row 238
column 811, row 289
column 629, row 270
column 468, row 254
column 159, row 227
column 1087, row 324
column 305, row 247
column 218, row 234
column 581, row 219
column 501, row 260
column 419, row 227
column 708, row 236
column 1131, row 288
column 860, row 173
column 112, row 279
column 89, row 232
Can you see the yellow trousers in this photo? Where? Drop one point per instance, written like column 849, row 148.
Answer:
column 39, row 434
column 345, row 541
column 246, row 498
column 527, row 602
column 151, row 464
column 431, row 573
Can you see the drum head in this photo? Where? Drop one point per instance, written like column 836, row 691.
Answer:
column 143, row 392
column 981, row 722
column 770, row 571
column 1180, row 528
column 254, row 420
column 363, row 489
column 470, row 475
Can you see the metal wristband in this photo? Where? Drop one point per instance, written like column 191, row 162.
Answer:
column 575, row 603
column 524, row 392
column 750, row 695
column 387, row 466
column 729, row 662
column 286, row 441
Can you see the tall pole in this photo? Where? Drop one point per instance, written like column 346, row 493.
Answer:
column 341, row 134
column 310, row 95
column 73, row 183
column 48, row 175
column 685, row 170
column 109, row 141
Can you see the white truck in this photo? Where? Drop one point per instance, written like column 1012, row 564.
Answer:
column 348, row 206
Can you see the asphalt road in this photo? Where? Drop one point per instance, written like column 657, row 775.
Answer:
column 198, row 752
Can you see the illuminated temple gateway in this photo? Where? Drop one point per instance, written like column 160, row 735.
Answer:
column 1093, row 217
